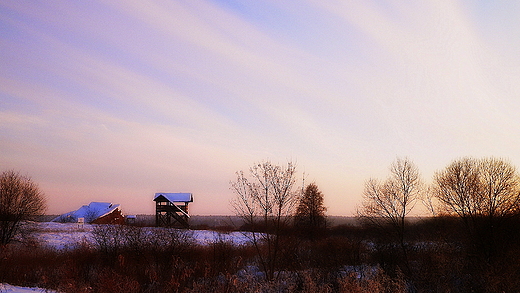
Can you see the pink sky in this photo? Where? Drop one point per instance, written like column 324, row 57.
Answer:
column 116, row 100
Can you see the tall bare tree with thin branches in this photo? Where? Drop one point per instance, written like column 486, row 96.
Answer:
column 265, row 200
column 387, row 204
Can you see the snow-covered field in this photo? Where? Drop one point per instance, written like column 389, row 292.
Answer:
column 15, row 289
column 69, row 235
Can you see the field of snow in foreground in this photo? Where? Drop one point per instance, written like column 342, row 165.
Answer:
column 15, row 289
column 68, row 235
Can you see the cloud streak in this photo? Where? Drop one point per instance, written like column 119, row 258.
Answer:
column 116, row 101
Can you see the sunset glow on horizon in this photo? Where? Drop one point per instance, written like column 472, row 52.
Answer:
column 117, row 100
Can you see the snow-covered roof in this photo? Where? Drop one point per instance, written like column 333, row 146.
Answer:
column 89, row 212
column 175, row 197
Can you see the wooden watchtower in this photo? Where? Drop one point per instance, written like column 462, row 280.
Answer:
column 171, row 209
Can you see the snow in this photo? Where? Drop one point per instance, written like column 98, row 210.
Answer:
column 15, row 289
column 88, row 212
column 208, row 237
column 63, row 235
column 69, row 235
column 175, row 197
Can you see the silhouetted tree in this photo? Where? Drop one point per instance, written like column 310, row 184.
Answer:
column 265, row 201
column 482, row 192
column 310, row 214
column 20, row 200
column 386, row 204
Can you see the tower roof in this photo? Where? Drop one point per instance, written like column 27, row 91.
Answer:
column 174, row 197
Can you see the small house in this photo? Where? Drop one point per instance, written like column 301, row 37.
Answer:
column 94, row 213
column 131, row 219
column 171, row 209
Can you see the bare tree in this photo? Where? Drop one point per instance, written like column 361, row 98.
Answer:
column 20, row 200
column 457, row 188
column 482, row 192
column 471, row 188
column 500, row 188
column 310, row 213
column 387, row 204
column 265, row 201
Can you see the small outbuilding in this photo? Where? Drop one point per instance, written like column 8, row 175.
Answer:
column 131, row 219
column 94, row 213
column 171, row 209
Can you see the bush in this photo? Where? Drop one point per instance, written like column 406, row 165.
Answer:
column 132, row 259
column 20, row 200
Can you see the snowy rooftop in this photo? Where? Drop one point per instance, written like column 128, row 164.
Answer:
column 175, row 197
column 89, row 212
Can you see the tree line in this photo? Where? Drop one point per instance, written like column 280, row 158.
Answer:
column 481, row 196
column 469, row 242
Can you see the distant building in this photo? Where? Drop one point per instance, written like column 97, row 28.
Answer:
column 171, row 209
column 94, row 213
column 131, row 219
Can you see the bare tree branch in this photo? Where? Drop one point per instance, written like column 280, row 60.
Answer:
column 265, row 201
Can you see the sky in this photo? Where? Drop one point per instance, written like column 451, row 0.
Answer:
column 117, row 100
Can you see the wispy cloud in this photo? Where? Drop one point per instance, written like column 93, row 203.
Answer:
column 125, row 98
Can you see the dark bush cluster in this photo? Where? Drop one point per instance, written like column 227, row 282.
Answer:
column 122, row 259
column 441, row 258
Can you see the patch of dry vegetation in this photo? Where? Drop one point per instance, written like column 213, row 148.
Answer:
column 344, row 259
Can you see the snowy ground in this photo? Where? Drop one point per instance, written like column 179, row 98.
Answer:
column 69, row 235
column 14, row 289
